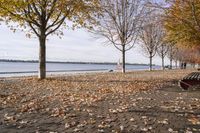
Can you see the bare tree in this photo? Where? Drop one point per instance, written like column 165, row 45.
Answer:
column 151, row 37
column 162, row 52
column 120, row 23
column 162, row 48
column 171, row 53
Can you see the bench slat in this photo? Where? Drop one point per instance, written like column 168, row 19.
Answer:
column 196, row 77
column 199, row 77
column 188, row 76
column 193, row 76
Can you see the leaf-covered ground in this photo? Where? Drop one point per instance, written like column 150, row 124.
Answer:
column 101, row 102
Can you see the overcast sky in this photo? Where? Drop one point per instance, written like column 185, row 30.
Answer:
column 76, row 45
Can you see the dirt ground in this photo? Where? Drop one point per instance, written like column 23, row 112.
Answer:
column 100, row 103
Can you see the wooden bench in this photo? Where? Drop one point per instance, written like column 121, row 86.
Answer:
column 190, row 80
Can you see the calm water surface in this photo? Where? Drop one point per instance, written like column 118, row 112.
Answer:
column 14, row 68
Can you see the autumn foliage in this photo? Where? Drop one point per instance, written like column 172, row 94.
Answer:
column 182, row 22
column 45, row 17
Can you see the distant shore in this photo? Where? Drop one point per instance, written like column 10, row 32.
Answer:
column 71, row 62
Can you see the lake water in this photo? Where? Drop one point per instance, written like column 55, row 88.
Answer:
column 26, row 68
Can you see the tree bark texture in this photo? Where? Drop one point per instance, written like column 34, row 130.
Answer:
column 42, row 57
column 123, row 60
column 150, row 63
column 163, row 63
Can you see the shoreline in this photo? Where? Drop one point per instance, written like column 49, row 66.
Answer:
column 63, row 72
column 139, row 72
column 69, row 62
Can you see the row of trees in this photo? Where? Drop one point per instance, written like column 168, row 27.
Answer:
column 121, row 22
column 125, row 22
column 175, row 34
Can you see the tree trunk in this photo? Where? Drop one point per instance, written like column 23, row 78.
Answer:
column 193, row 65
column 176, row 63
column 181, row 65
column 163, row 64
column 123, row 59
column 150, row 63
column 185, row 65
column 42, row 57
column 170, row 63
